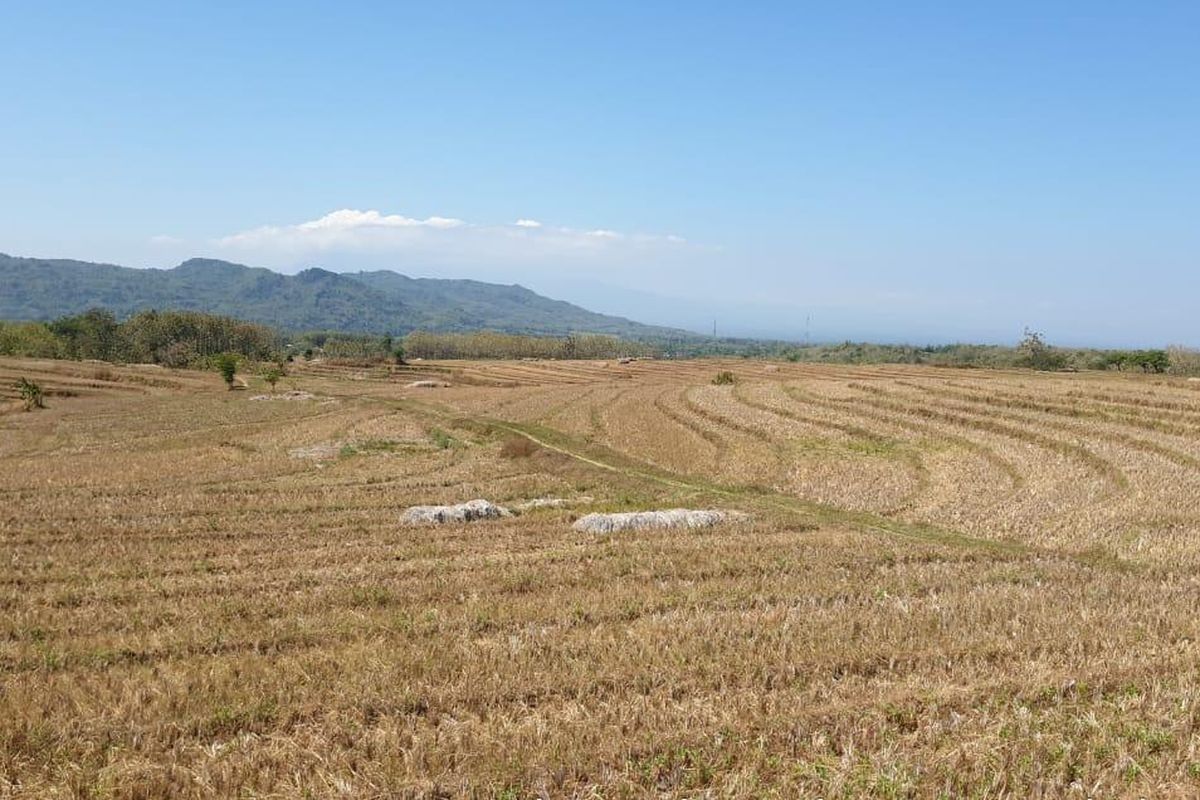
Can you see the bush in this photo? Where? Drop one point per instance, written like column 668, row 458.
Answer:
column 725, row 378
column 226, row 364
column 272, row 376
column 441, row 439
column 1183, row 361
column 1036, row 354
column 29, row 339
column 1145, row 360
column 31, row 393
column 92, row 334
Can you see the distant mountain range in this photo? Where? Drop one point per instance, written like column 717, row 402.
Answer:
column 315, row 299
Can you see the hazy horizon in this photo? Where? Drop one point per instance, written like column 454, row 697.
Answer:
column 702, row 318
column 923, row 174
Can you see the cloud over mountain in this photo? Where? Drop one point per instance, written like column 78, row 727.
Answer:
column 446, row 240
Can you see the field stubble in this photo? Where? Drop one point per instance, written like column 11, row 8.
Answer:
column 956, row 584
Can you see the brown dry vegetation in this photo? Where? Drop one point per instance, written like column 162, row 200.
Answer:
column 956, row 584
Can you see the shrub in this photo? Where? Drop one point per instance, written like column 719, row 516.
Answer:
column 31, row 394
column 30, row 339
column 1183, row 361
column 1145, row 360
column 441, row 439
column 1036, row 354
column 226, row 364
column 725, row 378
column 272, row 376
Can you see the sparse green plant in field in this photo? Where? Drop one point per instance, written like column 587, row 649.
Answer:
column 272, row 376
column 398, row 354
column 441, row 439
column 725, row 378
column 31, row 394
column 227, row 364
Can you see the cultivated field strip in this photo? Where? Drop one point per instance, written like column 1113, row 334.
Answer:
column 1008, row 455
column 204, row 595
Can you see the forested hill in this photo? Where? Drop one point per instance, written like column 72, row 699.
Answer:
column 366, row 302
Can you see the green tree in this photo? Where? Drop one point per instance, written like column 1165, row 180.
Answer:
column 30, row 339
column 227, row 365
column 1036, row 354
column 92, row 334
column 272, row 377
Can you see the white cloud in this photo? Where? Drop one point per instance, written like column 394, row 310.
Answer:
column 163, row 239
column 350, row 238
column 349, row 219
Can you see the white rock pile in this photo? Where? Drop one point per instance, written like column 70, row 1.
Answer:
column 463, row 512
column 645, row 520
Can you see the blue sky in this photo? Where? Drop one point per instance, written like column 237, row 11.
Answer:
column 918, row 171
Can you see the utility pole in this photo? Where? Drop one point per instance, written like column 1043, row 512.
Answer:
column 714, row 329
column 807, row 328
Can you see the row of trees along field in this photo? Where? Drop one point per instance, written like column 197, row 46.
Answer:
column 191, row 338
column 1033, row 352
column 171, row 338
column 490, row 344
column 352, row 348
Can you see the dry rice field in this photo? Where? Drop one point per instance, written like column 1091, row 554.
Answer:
column 955, row 584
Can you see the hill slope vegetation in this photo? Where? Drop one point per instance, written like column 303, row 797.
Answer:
column 315, row 299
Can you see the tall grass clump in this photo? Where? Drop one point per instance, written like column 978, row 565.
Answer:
column 31, row 394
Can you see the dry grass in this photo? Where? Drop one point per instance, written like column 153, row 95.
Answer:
column 954, row 585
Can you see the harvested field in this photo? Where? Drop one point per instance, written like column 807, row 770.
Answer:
column 951, row 583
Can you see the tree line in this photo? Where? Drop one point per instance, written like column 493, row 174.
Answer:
column 483, row 345
column 195, row 339
column 170, row 338
column 491, row 344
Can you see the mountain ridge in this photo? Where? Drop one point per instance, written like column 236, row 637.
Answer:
column 379, row 301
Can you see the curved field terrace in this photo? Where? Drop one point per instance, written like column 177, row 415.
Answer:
column 953, row 583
